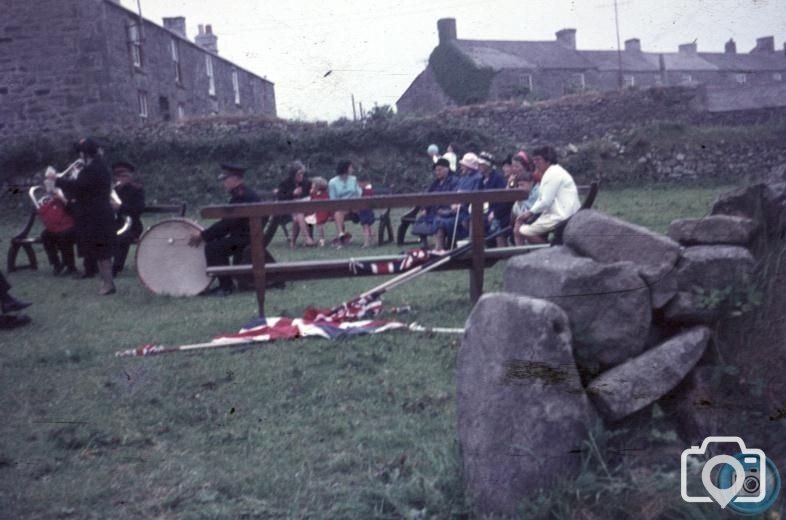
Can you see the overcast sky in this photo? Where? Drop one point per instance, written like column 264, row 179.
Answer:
column 374, row 49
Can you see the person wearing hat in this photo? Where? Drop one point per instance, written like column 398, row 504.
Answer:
column 132, row 204
column 438, row 220
column 227, row 238
column 558, row 197
column 498, row 215
column 94, row 218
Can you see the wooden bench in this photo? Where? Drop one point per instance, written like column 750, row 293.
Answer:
column 23, row 241
column 476, row 261
column 259, row 213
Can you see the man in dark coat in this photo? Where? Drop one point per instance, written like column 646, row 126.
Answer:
column 93, row 214
column 227, row 238
column 132, row 204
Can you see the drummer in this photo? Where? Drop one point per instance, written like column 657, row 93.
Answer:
column 132, row 204
column 227, row 238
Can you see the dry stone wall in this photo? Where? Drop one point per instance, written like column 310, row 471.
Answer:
column 712, row 353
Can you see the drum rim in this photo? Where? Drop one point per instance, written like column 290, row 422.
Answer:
column 184, row 220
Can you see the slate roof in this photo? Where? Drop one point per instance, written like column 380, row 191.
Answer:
column 504, row 54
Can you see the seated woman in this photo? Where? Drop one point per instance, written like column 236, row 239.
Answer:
column 319, row 191
column 296, row 187
column 345, row 186
column 438, row 221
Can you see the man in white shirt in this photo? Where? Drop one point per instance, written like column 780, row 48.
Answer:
column 557, row 201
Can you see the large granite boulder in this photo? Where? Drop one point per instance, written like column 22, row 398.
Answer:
column 715, row 229
column 629, row 387
column 608, row 239
column 712, row 282
column 608, row 305
column 522, row 412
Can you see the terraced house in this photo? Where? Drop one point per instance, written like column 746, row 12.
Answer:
column 471, row 71
column 83, row 65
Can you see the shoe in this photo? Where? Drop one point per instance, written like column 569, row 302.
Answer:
column 11, row 304
column 70, row 271
column 107, row 292
column 12, row 322
column 219, row 291
column 57, row 269
column 116, row 270
column 83, row 276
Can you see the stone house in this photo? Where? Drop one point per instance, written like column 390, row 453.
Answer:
column 80, row 66
column 470, row 71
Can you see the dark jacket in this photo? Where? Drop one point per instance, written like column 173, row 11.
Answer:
column 287, row 187
column 440, row 186
column 132, row 197
column 496, row 181
column 233, row 227
column 92, row 211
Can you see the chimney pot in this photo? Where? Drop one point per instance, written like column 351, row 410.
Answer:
column 633, row 45
column 765, row 44
column 731, row 47
column 446, row 28
column 206, row 39
column 567, row 37
column 688, row 48
column 176, row 24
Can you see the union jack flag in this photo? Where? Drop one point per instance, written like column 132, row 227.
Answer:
column 414, row 258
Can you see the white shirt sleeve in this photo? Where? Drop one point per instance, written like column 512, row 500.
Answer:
column 547, row 193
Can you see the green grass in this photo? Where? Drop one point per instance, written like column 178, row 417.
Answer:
column 363, row 428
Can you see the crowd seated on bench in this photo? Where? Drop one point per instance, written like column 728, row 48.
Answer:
column 552, row 198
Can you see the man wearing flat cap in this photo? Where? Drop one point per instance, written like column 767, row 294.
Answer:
column 227, row 238
column 132, row 204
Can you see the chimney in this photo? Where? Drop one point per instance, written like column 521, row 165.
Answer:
column 687, row 48
column 633, row 45
column 765, row 44
column 446, row 27
column 206, row 39
column 176, row 24
column 731, row 47
column 567, row 37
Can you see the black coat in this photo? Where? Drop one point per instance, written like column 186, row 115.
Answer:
column 133, row 204
column 233, row 227
column 287, row 187
column 93, row 214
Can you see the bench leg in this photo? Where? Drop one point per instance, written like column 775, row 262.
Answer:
column 13, row 252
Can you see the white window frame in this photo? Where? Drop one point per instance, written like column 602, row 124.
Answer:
column 529, row 82
column 687, row 78
column 236, row 86
column 142, row 104
column 174, row 47
column 211, row 86
column 777, row 76
column 741, row 78
column 181, row 111
column 135, row 44
column 582, row 80
column 628, row 80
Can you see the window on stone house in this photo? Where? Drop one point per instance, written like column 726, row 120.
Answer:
column 211, row 86
column 142, row 101
column 687, row 78
column 175, row 50
column 528, row 82
column 741, row 79
column 135, row 45
column 628, row 80
column 181, row 111
column 581, row 80
column 236, row 87
column 777, row 76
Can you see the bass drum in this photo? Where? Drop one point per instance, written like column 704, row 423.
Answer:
column 166, row 264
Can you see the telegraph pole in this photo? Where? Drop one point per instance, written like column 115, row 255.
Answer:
column 619, row 48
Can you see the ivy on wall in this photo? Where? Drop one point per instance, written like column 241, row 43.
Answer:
column 462, row 80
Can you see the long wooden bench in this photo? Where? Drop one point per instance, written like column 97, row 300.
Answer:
column 24, row 242
column 476, row 261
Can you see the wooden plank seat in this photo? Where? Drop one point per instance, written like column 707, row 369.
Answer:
column 342, row 267
column 22, row 241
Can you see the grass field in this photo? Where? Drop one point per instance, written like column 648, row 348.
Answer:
column 363, row 428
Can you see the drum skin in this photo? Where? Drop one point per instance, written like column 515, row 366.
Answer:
column 166, row 264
